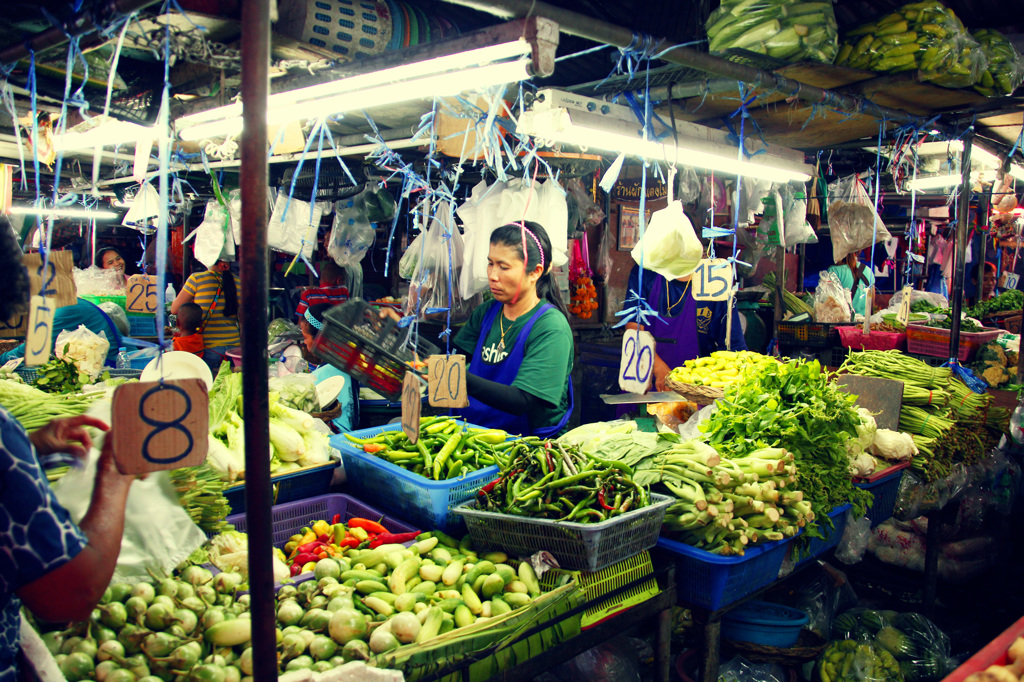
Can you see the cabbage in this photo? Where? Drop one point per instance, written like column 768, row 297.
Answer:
column 589, row 436
column 866, row 429
column 229, row 551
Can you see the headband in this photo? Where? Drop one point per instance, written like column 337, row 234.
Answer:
column 540, row 249
column 313, row 321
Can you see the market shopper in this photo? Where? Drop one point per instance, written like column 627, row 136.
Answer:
column 216, row 292
column 686, row 329
column 330, row 291
column 71, row 317
column 857, row 277
column 57, row 569
column 520, row 344
column 110, row 258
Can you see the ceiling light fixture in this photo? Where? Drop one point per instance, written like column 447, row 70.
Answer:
column 1016, row 171
column 106, row 134
column 63, row 212
column 525, row 48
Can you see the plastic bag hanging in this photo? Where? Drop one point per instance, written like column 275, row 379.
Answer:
column 351, row 232
column 210, row 234
column 294, row 232
column 670, row 246
column 145, row 206
column 852, row 219
column 434, row 285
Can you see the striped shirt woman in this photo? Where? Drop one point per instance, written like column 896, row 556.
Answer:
column 216, row 288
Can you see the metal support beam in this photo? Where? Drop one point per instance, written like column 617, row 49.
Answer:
column 956, row 296
column 253, row 318
column 583, row 26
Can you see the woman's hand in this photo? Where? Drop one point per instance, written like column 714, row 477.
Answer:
column 660, row 373
column 388, row 311
column 66, row 435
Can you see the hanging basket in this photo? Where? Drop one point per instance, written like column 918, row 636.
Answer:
column 702, row 395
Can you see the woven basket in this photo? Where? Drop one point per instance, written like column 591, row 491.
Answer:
column 702, row 395
column 328, row 415
column 807, row 648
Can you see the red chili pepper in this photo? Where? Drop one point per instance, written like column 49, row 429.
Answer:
column 296, row 569
column 393, row 539
column 304, row 558
column 308, row 548
column 336, row 519
column 349, row 543
column 600, row 498
column 367, row 525
column 325, row 538
column 489, row 487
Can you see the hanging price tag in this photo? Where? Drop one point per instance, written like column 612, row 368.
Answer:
column 712, row 280
column 869, row 299
column 447, row 381
column 16, row 327
column 1011, row 280
column 903, row 315
column 637, row 361
column 141, row 294
column 39, row 341
column 57, row 282
column 411, row 406
column 160, row 425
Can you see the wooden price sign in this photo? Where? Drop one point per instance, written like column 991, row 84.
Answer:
column 57, row 282
column 16, row 327
column 40, row 331
column 411, row 406
column 160, row 425
column 712, row 280
column 903, row 314
column 447, row 381
column 141, row 294
column 637, row 361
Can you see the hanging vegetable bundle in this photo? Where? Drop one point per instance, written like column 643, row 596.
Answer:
column 1005, row 68
column 790, row 31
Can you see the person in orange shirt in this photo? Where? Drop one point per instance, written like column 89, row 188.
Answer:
column 190, row 337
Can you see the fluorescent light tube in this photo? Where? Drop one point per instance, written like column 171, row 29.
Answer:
column 1016, row 171
column 934, row 182
column 441, row 76
column 63, row 212
column 109, row 133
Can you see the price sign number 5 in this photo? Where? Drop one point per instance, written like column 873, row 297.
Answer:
column 40, row 331
column 411, row 406
column 712, row 280
column 142, row 294
column 637, row 361
column 447, row 380
column 160, row 425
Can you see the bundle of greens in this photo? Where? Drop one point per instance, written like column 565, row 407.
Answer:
column 793, row 303
column 966, row 325
column 1011, row 300
column 35, row 408
column 797, row 407
column 201, row 492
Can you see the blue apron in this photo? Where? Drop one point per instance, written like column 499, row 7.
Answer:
column 505, row 373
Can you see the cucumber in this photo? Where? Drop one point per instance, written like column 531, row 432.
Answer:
column 516, row 599
column 493, row 585
column 431, row 625
column 463, row 616
column 360, row 575
column 370, row 586
column 471, row 600
column 499, row 606
column 507, row 573
column 480, row 568
column 451, row 573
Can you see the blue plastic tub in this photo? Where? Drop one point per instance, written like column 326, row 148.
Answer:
column 765, row 623
column 819, row 546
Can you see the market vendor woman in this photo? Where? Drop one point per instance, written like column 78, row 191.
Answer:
column 520, row 343
column 687, row 328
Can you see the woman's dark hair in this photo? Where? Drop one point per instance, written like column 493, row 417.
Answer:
column 99, row 255
column 227, row 284
column 512, row 235
column 317, row 311
column 13, row 275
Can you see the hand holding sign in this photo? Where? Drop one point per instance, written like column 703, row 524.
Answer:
column 160, row 425
column 447, row 381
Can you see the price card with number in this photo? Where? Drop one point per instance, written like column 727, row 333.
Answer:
column 57, row 282
column 39, row 341
column 712, row 280
column 447, row 381
column 160, row 425
column 411, row 406
column 637, row 361
column 1012, row 279
column 903, row 314
column 141, row 294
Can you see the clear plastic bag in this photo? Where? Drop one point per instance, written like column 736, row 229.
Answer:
column 687, row 185
column 117, row 315
column 613, row 661
column 920, row 648
column 794, row 208
column 294, row 232
column 791, row 30
column 583, row 212
column 923, row 36
column 771, row 229
column 832, row 301
column 827, row 593
column 87, row 349
column 670, row 246
column 856, row 661
column 352, row 234
column 297, row 391
column 855, row 539
column 434, row 287
column 852, row 219
column 1004, row 69
column 144, row 208
column 94, row 281
column 740, row 669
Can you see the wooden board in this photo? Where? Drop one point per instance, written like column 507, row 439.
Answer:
column 159, row 425
column 882, row 397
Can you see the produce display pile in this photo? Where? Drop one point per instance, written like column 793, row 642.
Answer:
column 201, row 492
column 1005, row 70
column 363, row 602
column 560, row 482
column 792, row 302
column 322, row 539
column 852, row 661
column 1012, row 300
column 782, row 29
column 718, row 370
column 35, row 408
column 950, row 423
column 58, row 375
column 794, row 406
column 1013, row 671
column 966, row 325
column 995, row 365
column 917, row 647
column 445, row 448
column 922, row 35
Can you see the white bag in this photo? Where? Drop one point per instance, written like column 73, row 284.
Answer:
column 670, row 246
column 87, row 349
column 211, row 234
column 479, row 216
column 145, row 207
column 294, row 232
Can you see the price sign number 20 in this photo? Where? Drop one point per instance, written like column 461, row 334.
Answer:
column 712, row 280
column 447, row 380
column 637, row 361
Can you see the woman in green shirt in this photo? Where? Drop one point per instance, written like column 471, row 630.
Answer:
column 857, row 277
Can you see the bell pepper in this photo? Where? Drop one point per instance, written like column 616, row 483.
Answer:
column 393, row 538
column 321, row 527
column 359, row 533
column 295, row 569
column 367, row 525
column 336, row 520
column 340, row 532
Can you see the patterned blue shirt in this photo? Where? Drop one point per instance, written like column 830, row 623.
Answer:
column 36, row 533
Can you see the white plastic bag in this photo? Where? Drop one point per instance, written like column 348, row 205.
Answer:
column 85, row 348
column 670, row 246
column 794, row 206
column 852, row 219
column 117, row 315
column 145, row 206
column 211, row 234
column 351, row 233
column 294, row 232
column 832, row 301
column 94, row 281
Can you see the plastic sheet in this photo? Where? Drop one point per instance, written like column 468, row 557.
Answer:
column 925, row 36
column 832, row 301
column 94, row 281
column 788, row 31
column 852, row 219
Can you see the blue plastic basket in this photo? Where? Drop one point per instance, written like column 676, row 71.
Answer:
column 885, row 491
column 141, row 325
column 410, row 496
column 765, row 623
column 819, row 546
column 290, row 487
column 711, row 581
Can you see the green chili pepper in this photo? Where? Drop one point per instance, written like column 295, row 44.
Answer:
column 446, row 451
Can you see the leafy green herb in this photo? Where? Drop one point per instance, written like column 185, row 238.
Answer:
column 59, row 376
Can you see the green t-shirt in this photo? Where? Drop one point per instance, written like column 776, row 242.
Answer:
column 845, row 275
column 547, row 358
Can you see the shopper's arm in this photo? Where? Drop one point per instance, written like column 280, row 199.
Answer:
column 181, row 299
column 70, row 592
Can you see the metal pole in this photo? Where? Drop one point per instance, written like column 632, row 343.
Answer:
column 984, row 203
column 583, row 26
column 956, row 296
column 253, row 317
